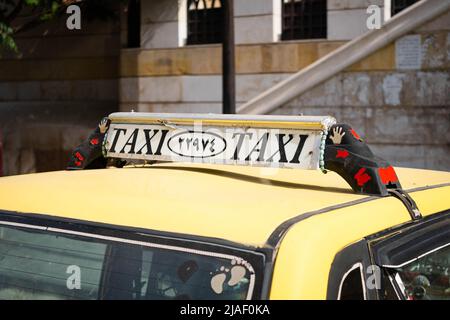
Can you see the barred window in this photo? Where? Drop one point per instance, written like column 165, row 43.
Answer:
column 399, row 5
column 205, row 21
column 134, row 24
column 304, row 19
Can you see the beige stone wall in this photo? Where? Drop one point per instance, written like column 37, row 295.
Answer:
column 163, row 23
column 166, row 75
column 54, row 92
column 347, row 18
column 189, row 79
column 403, row 114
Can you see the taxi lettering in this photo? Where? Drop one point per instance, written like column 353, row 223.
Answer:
column 263, row 145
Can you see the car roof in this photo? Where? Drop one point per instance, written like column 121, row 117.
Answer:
column 235, row 203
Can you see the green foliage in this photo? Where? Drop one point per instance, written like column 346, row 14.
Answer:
column 33, row 2
column 46, row 10
column 6, row 39
column 51, row 11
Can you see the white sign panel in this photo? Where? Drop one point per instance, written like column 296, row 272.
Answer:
column 220, row 145
column 408, row 53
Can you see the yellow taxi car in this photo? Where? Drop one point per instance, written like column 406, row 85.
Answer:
column 164, row 206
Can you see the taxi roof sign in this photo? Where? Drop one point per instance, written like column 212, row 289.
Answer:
column 302, row 142
column 230, row 120
column 284, row 141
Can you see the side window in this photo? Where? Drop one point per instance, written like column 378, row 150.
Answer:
column 349, row 273
column 417, row 259
column 428, row 277
column 387, row 291
column 352, row 287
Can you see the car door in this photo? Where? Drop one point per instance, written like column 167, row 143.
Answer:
column 410, row 262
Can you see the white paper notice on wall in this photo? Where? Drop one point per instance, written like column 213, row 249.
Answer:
column 408, row 52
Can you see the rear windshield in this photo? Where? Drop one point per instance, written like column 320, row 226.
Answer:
column 36, row 263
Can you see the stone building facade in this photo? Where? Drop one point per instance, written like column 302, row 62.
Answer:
column 402, row 111
column 166, row 74
column 404, row 114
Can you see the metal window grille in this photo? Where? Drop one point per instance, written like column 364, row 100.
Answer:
column 304, row 19
column 134, row 24
column 399, row 5
column 205, row 21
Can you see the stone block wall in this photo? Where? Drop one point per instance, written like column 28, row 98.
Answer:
column 55, row 91
column 404, row 114
column 188, row 79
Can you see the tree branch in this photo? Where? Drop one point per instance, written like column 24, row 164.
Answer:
column 13, row 14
